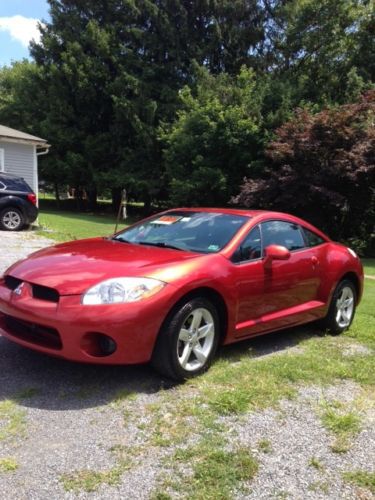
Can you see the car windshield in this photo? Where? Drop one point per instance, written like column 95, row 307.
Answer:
column 204, row 232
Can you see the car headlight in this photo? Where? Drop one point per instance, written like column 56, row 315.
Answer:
column 120, row 290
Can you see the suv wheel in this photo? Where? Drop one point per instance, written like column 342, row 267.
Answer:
column 11, row 219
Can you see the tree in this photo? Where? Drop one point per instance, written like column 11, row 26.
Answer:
column 115, row 83
column 217, row 135
column 322, row 167
column 112, row 71
column 24, row 105
column 322, row 48
column 362, row 54
column 18, row 93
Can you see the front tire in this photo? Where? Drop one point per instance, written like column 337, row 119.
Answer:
column 342, row 308
column 188, row 340
column 11, row 219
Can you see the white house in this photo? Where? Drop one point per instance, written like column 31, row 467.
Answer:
column 19, row 154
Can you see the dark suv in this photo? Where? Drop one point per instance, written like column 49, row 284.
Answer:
column 17, row 203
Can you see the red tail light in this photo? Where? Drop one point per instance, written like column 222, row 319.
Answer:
column 32, row 198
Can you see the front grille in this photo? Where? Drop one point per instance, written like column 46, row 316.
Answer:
column 12, row 282
column 32, row 332
column 45, row 293
column 39, row 292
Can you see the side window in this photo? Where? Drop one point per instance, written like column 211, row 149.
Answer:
column 2, row 186
column 312, row 239
column 250, row 248
column 283, row 233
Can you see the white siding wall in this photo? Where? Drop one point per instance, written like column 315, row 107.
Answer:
column 19, row 160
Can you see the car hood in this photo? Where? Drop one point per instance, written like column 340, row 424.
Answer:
column 73, row 267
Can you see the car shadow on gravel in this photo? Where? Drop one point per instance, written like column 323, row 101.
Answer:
column 271, row 343
column 38, row 381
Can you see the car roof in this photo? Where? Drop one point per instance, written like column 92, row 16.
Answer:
column 259, row 214
column 10, row 176
column 230, row 211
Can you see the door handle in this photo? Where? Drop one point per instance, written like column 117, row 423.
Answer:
column 314, row 260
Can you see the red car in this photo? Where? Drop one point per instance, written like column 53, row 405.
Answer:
column 172, row 287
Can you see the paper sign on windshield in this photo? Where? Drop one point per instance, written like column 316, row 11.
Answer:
column 166, row 220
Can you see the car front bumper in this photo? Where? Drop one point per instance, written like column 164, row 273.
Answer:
column 68, row 329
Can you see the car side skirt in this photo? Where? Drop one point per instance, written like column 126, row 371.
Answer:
column 292, row 316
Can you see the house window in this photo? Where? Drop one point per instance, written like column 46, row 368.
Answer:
column 2, row 164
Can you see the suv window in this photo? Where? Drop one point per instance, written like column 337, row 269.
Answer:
column 250, row 248
column 311, row 238
column 284, row 233
column 17, row 184
column 2, row 186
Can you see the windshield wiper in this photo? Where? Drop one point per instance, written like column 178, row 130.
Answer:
column 121, row 240
column 159, row 244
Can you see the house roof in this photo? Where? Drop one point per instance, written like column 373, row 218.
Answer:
column 7, row 133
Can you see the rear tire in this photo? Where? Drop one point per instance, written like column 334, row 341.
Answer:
column 11, row 219
column 188, row 340
column 342, row 308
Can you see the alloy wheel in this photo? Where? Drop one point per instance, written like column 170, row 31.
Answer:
column 344, row 307
column 11, row 220
column 196, row 339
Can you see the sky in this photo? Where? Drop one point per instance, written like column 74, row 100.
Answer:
column 18, row 20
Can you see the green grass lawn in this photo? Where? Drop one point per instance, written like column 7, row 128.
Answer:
column 369, row 266
column 65, row 226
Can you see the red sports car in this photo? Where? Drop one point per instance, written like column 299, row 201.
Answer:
column 172, row 287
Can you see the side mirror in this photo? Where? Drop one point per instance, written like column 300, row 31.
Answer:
column 276, row 252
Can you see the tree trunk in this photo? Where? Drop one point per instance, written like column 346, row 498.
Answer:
column 78, row 196
column 92, row 198
column 57, row 195
column 147, row 206
column 116, row 199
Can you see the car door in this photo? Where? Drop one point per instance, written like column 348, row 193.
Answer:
column 249, row 281
column 279, row 294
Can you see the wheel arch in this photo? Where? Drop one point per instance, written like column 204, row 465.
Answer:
column 213, row 296
column 351, row 276
column 12, row 200
column 13, row 205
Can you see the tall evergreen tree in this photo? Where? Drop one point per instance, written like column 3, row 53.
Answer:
column 113, row 70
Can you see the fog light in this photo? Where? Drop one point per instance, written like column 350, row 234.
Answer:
column 107, row 345
column 98, row 344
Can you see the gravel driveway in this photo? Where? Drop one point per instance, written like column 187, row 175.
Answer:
column 16, row 246
column 63, row 417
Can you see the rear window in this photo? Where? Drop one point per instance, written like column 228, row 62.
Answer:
column 204, row 232
column 16, row 184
